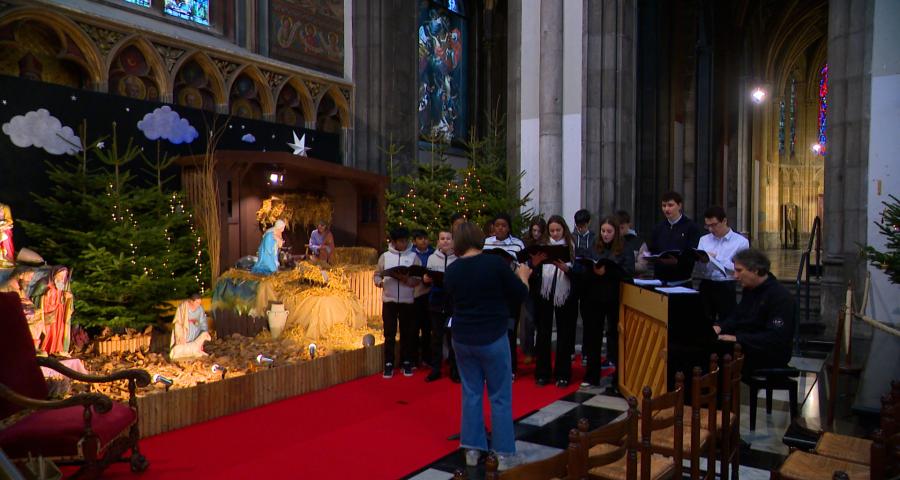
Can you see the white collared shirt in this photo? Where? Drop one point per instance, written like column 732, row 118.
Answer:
column 724, row 249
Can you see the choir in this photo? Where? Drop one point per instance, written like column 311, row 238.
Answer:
column 575, row 276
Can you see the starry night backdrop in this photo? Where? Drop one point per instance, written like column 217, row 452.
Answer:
column 22, row 170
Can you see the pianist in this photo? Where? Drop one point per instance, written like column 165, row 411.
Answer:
column 763, row 322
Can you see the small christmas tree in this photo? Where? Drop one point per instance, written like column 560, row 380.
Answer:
column 130, row 245
column 889, row 261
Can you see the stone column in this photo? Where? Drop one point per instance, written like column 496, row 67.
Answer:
column 609, row 106
column 846, row 161
column 551, row 82
column 384, row 69
column 514, row 91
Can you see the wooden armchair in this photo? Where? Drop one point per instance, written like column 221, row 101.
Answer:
column 87, row 428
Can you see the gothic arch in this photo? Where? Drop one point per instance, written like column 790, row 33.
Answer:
column 66, row 30
column 305, row 99
column 156, row 64
column 334, row 93
column 217, row 82
column 267, row 104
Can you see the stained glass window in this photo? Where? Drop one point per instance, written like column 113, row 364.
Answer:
column 823, row 108
column 140, row 3
column 196, row 11
column 793, row 113
column 443, row 71
column 781, row 127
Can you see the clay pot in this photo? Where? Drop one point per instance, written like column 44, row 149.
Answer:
column 277, row 319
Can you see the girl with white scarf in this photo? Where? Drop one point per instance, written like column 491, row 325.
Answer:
column 555, row 301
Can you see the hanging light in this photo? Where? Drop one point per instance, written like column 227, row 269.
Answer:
column 758, row 95
column 816, row 148
column 275, row 177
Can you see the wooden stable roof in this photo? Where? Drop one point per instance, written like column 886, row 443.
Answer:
column 228, row 159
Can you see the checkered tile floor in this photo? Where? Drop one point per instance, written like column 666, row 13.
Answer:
column 545, row 432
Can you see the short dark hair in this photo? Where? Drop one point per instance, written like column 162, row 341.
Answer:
column 398, row 233
column 582, row 216
column 623, row 216
column 753, row 260
column 466, row 236
column 673, row 195
column 195, row 296
column 716, row 212
column 418, row 233
column 503, row 216
column 456, row 216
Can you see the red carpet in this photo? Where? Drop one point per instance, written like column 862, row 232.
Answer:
column 380, row 428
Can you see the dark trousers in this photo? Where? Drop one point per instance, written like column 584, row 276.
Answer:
column 439, row 331
column 422, row 328
column 392, row 315
column 513, row 334
column 605, row 314
column 718, row 298
column 527, row 328
column 565, row 338
column 585, row 308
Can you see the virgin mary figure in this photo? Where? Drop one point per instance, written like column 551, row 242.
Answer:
column 268, row 250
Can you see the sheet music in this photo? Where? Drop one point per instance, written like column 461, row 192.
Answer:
column 671, row 290
column 647, row 283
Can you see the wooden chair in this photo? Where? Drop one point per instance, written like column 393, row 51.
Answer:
column 858, row 450
column 611, row 452
column 664, row 434
column 801, row 465
column 704, row 390
column 87, row 428
column 730, row 414
column 555, row 467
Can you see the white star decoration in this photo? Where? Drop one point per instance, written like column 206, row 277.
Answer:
column 299, row 145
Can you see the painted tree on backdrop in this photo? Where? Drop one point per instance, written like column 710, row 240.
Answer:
column 130, row 242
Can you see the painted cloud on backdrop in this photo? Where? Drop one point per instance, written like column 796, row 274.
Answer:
column 40, row 129
column 166, row 124
column 249, row 138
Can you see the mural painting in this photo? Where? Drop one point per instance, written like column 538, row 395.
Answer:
column 308, row 33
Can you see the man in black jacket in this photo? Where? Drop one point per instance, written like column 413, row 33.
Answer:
column 763, row 323
column 675, row 232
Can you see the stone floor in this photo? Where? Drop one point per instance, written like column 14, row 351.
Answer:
column 545, row 432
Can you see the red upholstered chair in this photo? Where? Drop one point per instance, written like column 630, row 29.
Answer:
column 88, row 428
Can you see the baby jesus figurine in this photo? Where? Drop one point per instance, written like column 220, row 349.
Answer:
column 189, row 331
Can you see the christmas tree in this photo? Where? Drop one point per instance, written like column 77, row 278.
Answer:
column 129, row 243
column 428, row 198
column 889, row 261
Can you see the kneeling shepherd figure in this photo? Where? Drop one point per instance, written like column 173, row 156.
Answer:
column 189, row 330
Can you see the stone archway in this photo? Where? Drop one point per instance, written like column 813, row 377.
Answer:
column 790, row 173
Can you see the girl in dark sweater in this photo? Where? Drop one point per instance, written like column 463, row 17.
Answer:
column 603, row 290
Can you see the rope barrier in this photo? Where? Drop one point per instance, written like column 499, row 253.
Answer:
column 875, row 323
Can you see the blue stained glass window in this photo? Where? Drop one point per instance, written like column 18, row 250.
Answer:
column 823, row 109
column 781, row 128
column 140, row 3
column 196, row 11
column 793, row 113
column 442, row 71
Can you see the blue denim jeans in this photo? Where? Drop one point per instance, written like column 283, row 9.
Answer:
column 480, row 364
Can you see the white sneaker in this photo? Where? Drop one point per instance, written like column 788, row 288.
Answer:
column 505, row 462
column 472, row 457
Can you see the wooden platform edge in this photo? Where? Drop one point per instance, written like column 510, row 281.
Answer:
column 163, row 412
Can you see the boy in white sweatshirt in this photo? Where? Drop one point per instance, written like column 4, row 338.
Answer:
column 397, row 302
